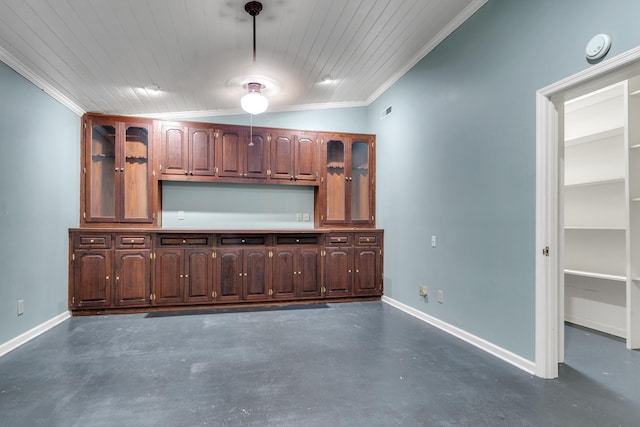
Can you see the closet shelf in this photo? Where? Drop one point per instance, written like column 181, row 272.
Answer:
column 596, row 182
column 573, row 227
column 597, row 136
column 612, row 277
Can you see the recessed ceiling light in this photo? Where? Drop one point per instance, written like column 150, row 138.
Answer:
column 327, row 79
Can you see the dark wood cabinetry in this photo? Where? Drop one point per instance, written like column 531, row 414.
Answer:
column 117, row 171
column 184, row 270
column 353, row 264
column 245, row 268
column 186, row 150
column 106, row 275
column 347, row 193
column 294, row 156
column 242, row 152
column 297, row 267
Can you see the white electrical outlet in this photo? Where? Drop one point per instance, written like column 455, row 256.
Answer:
column 298, row 217
column 422, row 291
column 20, row 307
column 433, row 241
column 440, row 297
column 306, row 216
column 181, row 215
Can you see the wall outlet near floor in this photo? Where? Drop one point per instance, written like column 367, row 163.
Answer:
column 306, row 216
column 20, row 307
column 440, row 297
column 298, row 217
column 181, row 215
column 423, row 291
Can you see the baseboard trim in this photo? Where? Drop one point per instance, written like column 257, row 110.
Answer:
column 499, row 352
column 32, row 333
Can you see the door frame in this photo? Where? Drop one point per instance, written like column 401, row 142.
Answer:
column 549, row 312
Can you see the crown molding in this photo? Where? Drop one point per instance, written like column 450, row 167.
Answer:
column 443, row 34
column 28, row 74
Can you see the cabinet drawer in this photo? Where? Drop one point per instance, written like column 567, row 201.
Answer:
column 367, row 239
column 242, row 240
column 101, row 241
column 297, row 240
column 128, row 241
column 339, row 240
column 184, row 240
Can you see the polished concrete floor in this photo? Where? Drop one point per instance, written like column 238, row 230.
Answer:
column 355, row 364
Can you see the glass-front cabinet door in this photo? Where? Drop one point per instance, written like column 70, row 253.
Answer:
column 117, row 173
column 360, row 194
column 348, row 186
column 100, row 172
column 135, row 177
column 336, row 182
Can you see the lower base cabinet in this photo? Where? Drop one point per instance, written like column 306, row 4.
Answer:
column 122, row 269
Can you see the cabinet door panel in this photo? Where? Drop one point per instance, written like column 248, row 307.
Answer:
column 132, row 277
column 230, row 155
column 282, row 157
column 284, row 273
column 305, row 159
column 338, row 272
column 360, row 189
column 231, row 279
column 256, row 285
column 174, row 149
column 135, row 174
column 201, row 149
column 91, row 279
column 256, row 155
column 309, row 272
column 100, row 178
column 336, row 182
column 168, row 287
column 198, row 275
column 367, row 266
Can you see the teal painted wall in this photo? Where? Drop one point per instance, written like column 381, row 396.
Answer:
column 39, row 184
column 460, row 143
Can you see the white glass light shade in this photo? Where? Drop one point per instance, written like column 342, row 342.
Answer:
column 254, row 102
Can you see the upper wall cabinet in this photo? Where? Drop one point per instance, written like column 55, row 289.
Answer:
column 117, row 173
column 347, row 191
column 294, row 156
column 242, row 152
column 186, row 150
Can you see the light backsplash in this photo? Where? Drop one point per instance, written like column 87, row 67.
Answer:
column 235, row 206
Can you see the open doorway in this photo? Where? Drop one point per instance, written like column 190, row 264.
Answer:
column 550, row 212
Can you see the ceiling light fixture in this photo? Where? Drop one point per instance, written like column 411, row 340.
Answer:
column 254, row 102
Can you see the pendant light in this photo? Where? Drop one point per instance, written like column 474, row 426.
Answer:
column 254, row 102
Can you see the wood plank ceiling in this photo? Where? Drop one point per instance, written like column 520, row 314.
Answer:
column 98, row 55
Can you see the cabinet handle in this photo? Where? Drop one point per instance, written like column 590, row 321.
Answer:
column 240, row 274
column 357, row 271
column 92, row 241
column 186, row 172
column 117, row 278
column 116, row 169
column 245, row 274
column 132, row 241
column 186, row 276
column 299, row 272
column 107, row 277
column 181, row 276
column 297, row 240
column 242, row 241
column 349, row 271
column 184, row 241
column 121, row 169
column 295, row 272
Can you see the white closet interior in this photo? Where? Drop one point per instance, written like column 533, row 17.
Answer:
column 602, row 210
